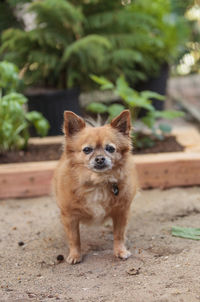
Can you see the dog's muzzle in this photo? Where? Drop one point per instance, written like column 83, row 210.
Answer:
column 100, row 162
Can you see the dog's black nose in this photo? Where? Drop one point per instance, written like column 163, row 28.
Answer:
column 100, row 160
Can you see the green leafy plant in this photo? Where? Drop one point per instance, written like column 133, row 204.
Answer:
column 144, row 36
column 72, row 39
column 9, row 77
column 135, row 101
column 56, row 52
column 14, row 120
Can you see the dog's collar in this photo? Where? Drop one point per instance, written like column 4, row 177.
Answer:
column 115, row 189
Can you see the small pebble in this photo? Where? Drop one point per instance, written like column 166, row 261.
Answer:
column 134, row 271
column 20, row 243
column 60, row 258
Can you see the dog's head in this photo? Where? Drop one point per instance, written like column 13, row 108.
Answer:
column 98, row 149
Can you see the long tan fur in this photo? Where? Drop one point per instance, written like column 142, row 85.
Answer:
column 85, row 195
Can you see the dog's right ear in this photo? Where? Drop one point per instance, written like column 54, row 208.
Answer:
column 72, row 123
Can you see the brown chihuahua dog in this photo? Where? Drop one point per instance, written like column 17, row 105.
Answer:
column 95, row 179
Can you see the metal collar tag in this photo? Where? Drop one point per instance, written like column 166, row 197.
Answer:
column 115, row 189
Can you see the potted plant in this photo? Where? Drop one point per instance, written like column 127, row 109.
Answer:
column 174, row 31
column 146, row 36
column 43, row 55
column 72, row 39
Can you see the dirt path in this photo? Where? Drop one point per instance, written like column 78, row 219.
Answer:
column 162, row 268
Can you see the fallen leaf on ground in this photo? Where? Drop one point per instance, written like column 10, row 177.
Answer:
column 189, row 233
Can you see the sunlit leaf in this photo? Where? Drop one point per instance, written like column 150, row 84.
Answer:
column 169, row 114
column 165, row 128
column 149, row 121
column 95, row 107
column 105, row 84
column 152, row 95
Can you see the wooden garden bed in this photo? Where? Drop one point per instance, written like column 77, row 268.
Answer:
column 163, row 170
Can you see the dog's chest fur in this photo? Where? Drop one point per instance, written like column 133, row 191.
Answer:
column 98, row 201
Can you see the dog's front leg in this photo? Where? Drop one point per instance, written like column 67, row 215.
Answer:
column 119, row 227
column 71, row 225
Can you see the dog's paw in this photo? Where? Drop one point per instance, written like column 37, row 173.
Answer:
column 122, row 253
column 74, row 258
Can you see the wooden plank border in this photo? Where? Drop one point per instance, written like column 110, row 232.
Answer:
column 154, row 171
column 26, row 179
column 166, row 170
column 163, row 170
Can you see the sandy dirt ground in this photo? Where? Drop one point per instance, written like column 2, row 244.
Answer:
column 162, row 268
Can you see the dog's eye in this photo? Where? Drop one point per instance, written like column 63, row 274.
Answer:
column 87, row 150
column 110, row 149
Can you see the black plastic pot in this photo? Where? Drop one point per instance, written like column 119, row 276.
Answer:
column 157, row 84
column 52, row 104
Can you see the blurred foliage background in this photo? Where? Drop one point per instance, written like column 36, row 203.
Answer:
column 59, row 43
column 189, row 62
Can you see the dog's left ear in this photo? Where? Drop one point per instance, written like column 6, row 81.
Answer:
column 72, row 123
column 122, row 122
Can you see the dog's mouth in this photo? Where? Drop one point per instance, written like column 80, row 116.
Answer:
column 100, row 168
